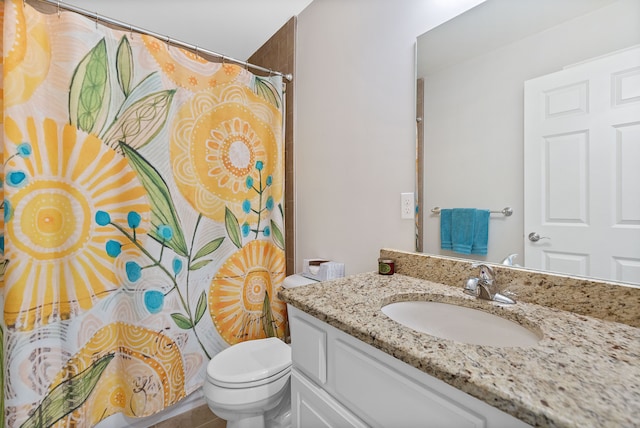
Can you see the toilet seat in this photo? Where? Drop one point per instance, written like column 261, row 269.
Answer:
column 251, row 363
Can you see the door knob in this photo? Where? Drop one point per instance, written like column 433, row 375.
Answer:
column 534, row 237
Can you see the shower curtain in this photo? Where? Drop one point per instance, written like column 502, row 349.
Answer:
column 143, row 220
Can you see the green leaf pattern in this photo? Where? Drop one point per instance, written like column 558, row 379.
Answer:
column 182, row 321
column 68, row 396
column 233, row 228
column 278, row 237
column 141, row 122
column 199, row 265
column 163, row 212
column 89, row 93
column 124, row 65
column 267, row 324
column 267, row 90
column 201, row 307
column 209, row 248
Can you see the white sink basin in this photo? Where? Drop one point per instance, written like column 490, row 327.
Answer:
column 460, row 323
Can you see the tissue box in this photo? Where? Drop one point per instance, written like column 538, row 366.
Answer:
column 322, row 270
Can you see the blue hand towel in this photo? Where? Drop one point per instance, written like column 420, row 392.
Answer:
column 445, row 229
column 463, row 229
column 481, row 232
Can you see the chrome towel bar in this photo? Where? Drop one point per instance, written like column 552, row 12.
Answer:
column 507, row 211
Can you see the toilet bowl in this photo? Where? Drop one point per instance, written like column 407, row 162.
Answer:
column 248, row 384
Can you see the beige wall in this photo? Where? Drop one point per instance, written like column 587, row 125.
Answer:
column 355, row 125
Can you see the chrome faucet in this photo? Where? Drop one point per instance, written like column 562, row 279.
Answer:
column 485, row 286
column 508, row 261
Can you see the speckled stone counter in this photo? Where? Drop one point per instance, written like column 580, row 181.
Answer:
column 584, row 372
column 599, row 299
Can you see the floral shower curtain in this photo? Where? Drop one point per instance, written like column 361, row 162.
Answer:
column 143, row 220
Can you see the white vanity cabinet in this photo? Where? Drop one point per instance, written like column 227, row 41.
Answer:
column 340, row 381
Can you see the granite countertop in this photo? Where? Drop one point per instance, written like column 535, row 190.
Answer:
column 584, row 372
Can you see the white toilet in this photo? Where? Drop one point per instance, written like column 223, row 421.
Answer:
column 248, row 384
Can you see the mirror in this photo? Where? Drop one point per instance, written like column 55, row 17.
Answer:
column 473, row 70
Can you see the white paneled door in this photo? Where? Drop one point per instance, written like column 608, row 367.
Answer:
column 582, row 169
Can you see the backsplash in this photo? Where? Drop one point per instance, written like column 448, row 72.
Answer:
column 599, row 299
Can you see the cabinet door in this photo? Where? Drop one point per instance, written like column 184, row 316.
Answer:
column 309, row 353
column 311, row 407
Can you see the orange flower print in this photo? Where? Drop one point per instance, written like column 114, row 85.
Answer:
column 218, row 139
column 245, row 289
column 59, row 265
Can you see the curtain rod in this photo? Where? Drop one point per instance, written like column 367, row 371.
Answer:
column 168, row 40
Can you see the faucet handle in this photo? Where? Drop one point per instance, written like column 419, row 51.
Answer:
column 486, row 272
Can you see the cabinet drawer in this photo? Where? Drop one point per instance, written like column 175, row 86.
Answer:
column 309, row 350
column 312, row 407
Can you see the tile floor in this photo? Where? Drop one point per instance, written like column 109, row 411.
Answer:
column 200, row 417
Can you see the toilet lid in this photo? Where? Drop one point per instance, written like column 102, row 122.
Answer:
column 250, row 361
column 297, row 280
